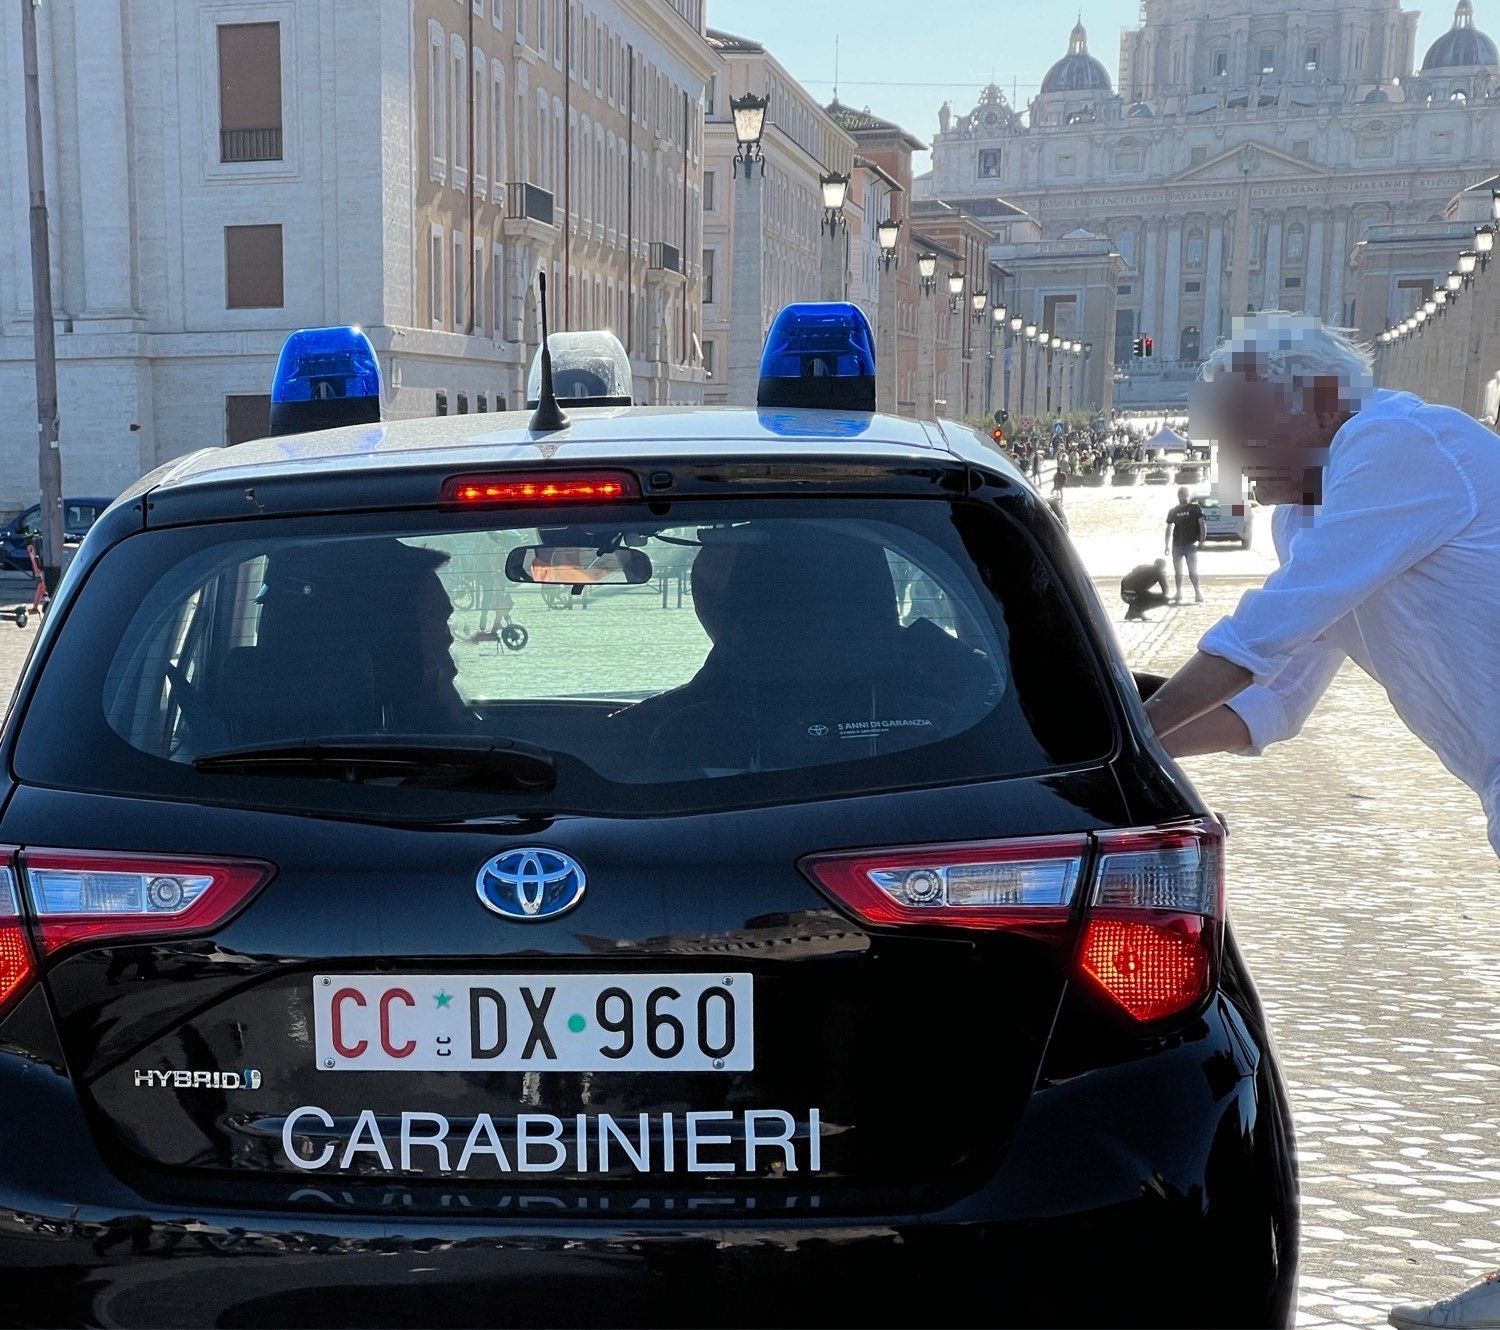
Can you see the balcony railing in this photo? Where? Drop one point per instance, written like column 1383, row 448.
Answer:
column 250, row 145
column 523, row 199
column 665, row 256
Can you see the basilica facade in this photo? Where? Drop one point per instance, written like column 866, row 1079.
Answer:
column 1239, row 155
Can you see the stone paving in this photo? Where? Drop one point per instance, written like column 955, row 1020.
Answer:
column 1367, row 901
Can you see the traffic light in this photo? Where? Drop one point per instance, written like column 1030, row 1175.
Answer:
column 1149, row 344
column 997, row 434
column 1138, row 348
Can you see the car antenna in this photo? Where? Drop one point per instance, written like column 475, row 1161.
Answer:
column 548, row 416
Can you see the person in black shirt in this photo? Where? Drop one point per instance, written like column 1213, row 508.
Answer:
column 1185, row 536
column 1136, row 592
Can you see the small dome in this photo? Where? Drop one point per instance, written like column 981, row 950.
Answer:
column 1140, row 109
column 1376, row 95
column 1077, row 71
column 1463, row 46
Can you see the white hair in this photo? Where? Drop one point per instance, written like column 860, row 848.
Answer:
column 1292, row 350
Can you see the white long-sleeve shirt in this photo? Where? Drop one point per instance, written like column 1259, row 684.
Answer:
column 1398, row 570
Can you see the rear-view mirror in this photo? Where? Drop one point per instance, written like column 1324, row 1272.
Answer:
column 577, row 565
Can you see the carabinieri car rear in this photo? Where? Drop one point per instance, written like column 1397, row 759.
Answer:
column 796, row 923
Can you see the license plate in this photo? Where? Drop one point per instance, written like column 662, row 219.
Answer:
column 545, row 1022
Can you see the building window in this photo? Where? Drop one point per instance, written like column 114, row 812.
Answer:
column 1458, row 95
column 249, row 92
column 459, row 312
column 442, row 403
column 1296, row 244
column 460, row 100
column 1067, row 164
column 252, row 267
column 1221, row 64
column 989, row 162
column 463, row 404
column 1314, row 57
column 437, row 98
column 1192, row 288
column 435, row 278
column 709, row 190
column 1302, row 148
column 497, row 291
column 1441, row 142
column 710, row 358
column 1126, row 161
column 1195, row 249
column 1359, row 54
column 1190, row 345
column 1292, row 282
column 708, row 277
column 1267, row 59
column 1197, row 156
column 482, row 403
column 246, row 416
column 1124, row 289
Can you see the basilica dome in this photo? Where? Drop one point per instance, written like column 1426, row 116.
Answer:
column 1463, row 46
column 1077, row 71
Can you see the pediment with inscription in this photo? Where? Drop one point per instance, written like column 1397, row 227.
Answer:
column 1260, row 160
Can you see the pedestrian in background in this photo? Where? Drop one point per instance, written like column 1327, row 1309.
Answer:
column 1389, row 540
column 1136, row 592
column 1186, row 532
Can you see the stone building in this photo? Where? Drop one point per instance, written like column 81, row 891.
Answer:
column 1242, row 153
column 221, row 173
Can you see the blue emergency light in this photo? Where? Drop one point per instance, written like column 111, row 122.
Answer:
column 325, row 377
column 819, row 354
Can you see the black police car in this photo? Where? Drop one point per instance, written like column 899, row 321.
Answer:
column 804, row 928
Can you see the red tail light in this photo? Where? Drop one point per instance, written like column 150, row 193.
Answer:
column 540, row 487
column 89, row 896
column 1150, row 909
column 17, row 967
column 1237, row 509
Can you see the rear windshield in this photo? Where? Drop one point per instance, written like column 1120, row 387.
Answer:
column 732, row 654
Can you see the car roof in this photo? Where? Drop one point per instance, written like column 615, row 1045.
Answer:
column 595, row 435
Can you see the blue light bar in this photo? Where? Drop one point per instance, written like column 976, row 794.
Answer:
column 325, row 377
column 819, row 354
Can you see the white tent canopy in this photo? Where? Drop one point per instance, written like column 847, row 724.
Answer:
column 1167, row 440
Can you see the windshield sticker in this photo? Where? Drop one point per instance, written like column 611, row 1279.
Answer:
column 869, row 729
column 750, row 1140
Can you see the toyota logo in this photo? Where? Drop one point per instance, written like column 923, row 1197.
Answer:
column 531, row 883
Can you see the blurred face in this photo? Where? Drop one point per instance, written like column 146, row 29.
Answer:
column 1277, row 437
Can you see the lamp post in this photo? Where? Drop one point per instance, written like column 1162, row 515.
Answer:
column 997, row 321
column 926, row 405
column 747, row 266
column 1028, row 352
column 1484, row 243
column 1009, row 354
column 836, row 248
column 1043, row 373
column 1088, row 352
column 889, row 235
column 955, row 291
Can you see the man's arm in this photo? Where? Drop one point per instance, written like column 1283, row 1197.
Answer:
column 1202, row 529
column 1199, row 686
column 1218, row 731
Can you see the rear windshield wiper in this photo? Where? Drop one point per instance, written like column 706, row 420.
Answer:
column 441, row 760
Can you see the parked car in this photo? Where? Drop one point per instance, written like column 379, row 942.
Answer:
column 1234, row 521
column 840, row 948
column 78, row 516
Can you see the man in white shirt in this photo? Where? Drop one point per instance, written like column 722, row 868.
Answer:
column 1390, row 550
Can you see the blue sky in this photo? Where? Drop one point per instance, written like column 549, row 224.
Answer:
column 902, row 65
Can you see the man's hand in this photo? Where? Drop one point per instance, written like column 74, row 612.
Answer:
column 1199, row 686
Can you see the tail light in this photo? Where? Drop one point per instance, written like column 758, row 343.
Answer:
column 1149, row 905
column 88, row 896
column 17, row 968
column 1237, row 510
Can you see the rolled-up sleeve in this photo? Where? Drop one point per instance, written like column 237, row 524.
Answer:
column 1278, row 710
column 1392, row 495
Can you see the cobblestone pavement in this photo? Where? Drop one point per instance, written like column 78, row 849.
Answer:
column 1364, row 895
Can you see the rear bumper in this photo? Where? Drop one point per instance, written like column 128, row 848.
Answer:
column 1120, row 1201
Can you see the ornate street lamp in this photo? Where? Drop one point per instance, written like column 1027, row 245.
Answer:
column 835, row 194
column 749, row 114
column 955, row 291
column 1440, row 296
column 927, row 271
column 1495, row 205
column 889, row 233
column 980, row 301
column 1429, row 307
column 998, row 315
column 1484, row 242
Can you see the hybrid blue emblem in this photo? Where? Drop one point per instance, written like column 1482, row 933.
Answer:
column 325, row 377
column 531, row 883
column 819, row 354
